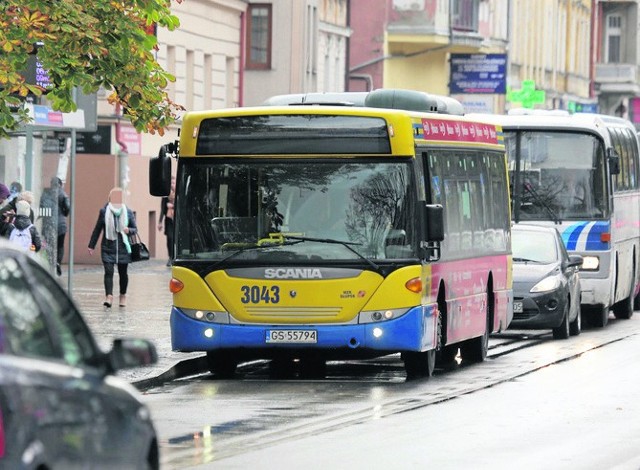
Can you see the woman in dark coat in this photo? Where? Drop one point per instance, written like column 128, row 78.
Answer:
column 116, row 223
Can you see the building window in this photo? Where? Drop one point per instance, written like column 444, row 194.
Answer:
column 614, row 39
column 464, row 15
column 259, row 37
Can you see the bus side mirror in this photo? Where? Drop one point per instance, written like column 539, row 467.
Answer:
column 614, row 161
column 160, row 174
column 434, row 232
column 435, row 223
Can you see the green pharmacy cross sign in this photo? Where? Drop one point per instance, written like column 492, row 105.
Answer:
column 528, row 96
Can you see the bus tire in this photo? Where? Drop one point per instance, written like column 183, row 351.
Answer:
column 599, row 316
column 446, row 357
column 623, row 310
column 476, row 349
column 221, row 365
column 419, row 364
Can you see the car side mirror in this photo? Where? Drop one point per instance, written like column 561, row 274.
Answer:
column 574, row 261
column 127, row 353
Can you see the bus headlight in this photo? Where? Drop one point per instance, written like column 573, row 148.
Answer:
column 207, row 315
column 590, row 263
column 374, row 316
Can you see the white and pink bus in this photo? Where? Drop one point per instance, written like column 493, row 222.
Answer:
column 581, row 173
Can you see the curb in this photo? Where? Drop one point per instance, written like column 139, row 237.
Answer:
column 182, row 369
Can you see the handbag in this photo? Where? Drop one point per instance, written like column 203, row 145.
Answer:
column 139, row 251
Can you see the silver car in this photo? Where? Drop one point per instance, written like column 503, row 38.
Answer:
column 60, row 404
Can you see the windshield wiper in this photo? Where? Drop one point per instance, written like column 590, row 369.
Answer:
column 347, row 245
column 256, row 246
column 526, row 260
column 529, row 188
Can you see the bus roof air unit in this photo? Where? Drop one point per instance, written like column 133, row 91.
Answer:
column 408, row 100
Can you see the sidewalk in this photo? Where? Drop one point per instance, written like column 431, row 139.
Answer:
column 145, row 316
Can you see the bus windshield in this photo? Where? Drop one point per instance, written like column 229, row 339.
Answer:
column 556, row 175
column 295, row 210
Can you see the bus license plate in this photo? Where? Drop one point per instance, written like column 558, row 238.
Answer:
column 517, row 307
column 292, row 336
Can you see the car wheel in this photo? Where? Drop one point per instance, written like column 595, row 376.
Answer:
column 221, row 365
column 562, row 331
column 575, row 327
column 419, row 364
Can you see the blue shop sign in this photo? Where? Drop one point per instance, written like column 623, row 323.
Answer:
column 478, row 74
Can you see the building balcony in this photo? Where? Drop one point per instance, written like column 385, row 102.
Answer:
column 616, row 73
column 616, row 78
column 439, row 23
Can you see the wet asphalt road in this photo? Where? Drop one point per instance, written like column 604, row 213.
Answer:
column 145, row 316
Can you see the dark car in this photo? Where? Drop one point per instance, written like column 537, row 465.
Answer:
column 546, row 282
column 60, row 404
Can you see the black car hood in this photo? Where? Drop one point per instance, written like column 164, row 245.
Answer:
column 527, row 274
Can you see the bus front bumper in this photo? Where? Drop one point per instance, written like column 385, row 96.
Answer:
column 414, row 331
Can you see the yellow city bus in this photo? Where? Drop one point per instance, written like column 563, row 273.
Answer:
column 338, row 227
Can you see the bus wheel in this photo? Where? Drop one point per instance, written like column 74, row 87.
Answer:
column 599, row 317
column 446, row 357
column 623, row 310
column 221, row 365
column 476, row 349
column 419, row 364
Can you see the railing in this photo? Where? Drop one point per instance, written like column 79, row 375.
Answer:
column 434, row 17
column 616, row 73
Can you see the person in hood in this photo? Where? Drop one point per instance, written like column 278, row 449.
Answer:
column 24, row 228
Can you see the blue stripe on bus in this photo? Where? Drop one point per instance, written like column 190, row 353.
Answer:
column 571, row 234
column 591, row 241
column 594, row 239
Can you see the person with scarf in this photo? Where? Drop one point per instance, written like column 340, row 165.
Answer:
column 116, row 223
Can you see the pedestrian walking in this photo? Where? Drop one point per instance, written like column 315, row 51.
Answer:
column 55, row 206
column 116, row 223
column 25, row 234
column 166, row 216
column 6, row 214
column 9, row 205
